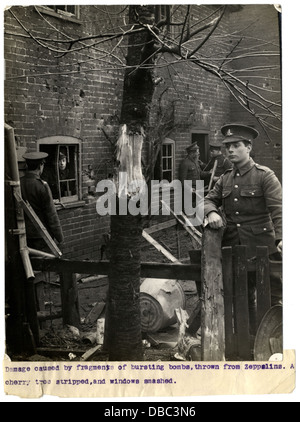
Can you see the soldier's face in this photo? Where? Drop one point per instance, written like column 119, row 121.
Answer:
column 238, row 152
column 214, row 152
column 195, row 153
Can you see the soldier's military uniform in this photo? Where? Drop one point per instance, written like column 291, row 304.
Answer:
column 250, row 199
column 223, row 163
column 192, row 169
column 37, row 192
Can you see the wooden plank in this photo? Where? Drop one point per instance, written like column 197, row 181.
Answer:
column 38, row 225
column 148, row 269
column 230, row 345
column 159, row 247
column 95, row 313
column 161, row 226
column 184, row 221
column 212, row 175
column 241, row 302
column 212, row 309
column 262, row 282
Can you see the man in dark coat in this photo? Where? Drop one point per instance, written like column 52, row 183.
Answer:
column 37, row 192
column 251, row 199
column 216, row 154
column 191, row 168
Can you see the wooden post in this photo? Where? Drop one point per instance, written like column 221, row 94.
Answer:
column 230, row 344
column 212, row 310
column 22, row 333
column 262, row 282
column 241, row 302
column 69, row 299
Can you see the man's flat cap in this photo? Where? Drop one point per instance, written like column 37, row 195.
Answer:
column 192, row 147
column 236, row 132
column 33, row 156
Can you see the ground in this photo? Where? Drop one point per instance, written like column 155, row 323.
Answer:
column 58, row 342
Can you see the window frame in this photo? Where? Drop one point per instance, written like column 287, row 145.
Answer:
column 167, row 141
column 67, row 141
column 61, row 13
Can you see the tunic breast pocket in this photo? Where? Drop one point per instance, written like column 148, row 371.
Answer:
column 227, row 200
column 253, row 199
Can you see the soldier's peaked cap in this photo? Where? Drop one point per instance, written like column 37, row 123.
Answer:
column 235, row 132
column 192, row 147
column 215, row 144
column 35, row 156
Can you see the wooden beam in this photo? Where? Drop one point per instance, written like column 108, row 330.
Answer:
column 38, row 224
column 69, row 298
column 184, row 221
column 161, row 226
column 262, row 282
column 160, row 248
column 241, row 302
column 230, row 345
column 212, row 310
column 148, row 269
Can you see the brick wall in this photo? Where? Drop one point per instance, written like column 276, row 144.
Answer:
column 262, row 24
column 55, row 99
column 47, row 94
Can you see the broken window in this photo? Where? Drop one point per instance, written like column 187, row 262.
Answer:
column 66, row 9
column 68, row 12
column 62, row 168
column 164, row 169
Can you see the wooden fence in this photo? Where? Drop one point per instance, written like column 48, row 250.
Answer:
column 238, row 336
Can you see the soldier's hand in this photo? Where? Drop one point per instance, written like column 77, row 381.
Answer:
column 214, row 220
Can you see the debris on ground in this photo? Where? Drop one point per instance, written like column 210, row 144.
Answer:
column 70, row 343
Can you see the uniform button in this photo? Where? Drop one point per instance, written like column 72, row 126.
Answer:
column 252, row 193
column 238, row 225
column 237, row 212
column 236, row 186
column 238, row 174
column 265, row 229
column 235, row 199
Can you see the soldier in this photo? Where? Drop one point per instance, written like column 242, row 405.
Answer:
column 191, row 168
column 251, row 200
column 223, row 163
column 37, row 192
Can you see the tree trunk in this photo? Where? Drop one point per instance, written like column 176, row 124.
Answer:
column 123, row 331
column 124, row 327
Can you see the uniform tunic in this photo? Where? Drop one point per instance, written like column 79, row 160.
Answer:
column 251, row 199
column 191, row 170
column 223, row 164
column 37, row 192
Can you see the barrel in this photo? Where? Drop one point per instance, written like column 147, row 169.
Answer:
column 158, row 300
